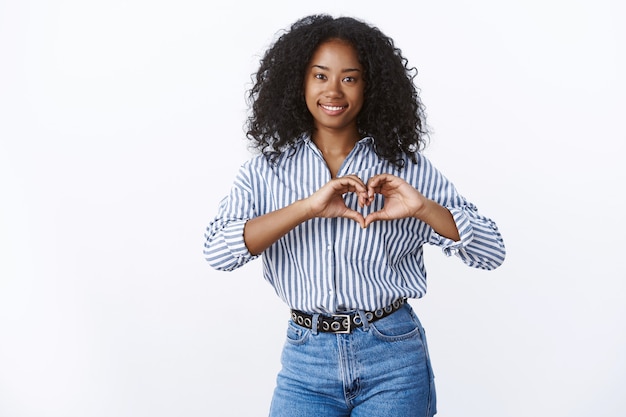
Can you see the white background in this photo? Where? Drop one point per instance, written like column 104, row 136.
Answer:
column 121, row 128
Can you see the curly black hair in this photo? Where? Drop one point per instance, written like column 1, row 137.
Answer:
column 392, row 111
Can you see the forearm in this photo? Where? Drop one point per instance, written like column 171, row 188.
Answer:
column 262, row 231
column 440, row 219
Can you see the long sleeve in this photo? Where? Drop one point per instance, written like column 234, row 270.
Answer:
column 224, row 246
column 481, row 244
column 326, row 264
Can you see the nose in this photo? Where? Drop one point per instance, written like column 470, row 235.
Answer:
column 333, row 88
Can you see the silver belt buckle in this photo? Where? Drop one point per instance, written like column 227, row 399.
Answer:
column 345, row 325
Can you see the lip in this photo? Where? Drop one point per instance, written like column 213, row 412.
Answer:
column 332, row 109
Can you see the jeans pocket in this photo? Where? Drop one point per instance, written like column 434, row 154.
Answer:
column 394, row 329
column 297, row 335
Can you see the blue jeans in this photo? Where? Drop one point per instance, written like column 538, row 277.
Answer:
column 379, row 370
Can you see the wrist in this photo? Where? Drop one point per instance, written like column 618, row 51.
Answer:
column 439, row 218
column 303, row 209
column 425, row 210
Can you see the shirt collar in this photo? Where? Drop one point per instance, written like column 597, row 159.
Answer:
column 365, row 140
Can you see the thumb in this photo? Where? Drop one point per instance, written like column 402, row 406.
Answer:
column 356, row 216
column 371, row 218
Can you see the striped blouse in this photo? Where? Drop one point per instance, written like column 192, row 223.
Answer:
column 331, row 265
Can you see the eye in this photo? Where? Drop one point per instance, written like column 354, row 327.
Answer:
column 319, row 76
column 349, row 79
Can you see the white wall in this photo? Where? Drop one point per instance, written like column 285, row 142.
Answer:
column 121, row 129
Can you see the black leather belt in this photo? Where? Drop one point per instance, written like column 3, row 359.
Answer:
column 344, row 323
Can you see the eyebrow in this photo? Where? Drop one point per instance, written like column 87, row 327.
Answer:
column 328, row 69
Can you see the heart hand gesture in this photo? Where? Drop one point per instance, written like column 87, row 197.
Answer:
column 328, row 201
column 401, row 198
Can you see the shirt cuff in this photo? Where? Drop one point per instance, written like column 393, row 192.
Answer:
column 466, row 233
column 235, row 242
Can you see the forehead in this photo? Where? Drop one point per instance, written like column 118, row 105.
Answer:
column 335, row 51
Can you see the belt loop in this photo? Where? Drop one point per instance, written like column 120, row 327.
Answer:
column 366, row 323
column 315, row 323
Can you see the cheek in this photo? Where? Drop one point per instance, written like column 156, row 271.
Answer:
column 310, row 104
column 310, row 99
column 359, row 100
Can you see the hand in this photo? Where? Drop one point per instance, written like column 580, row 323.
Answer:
column 402, row 200
column 328, row 201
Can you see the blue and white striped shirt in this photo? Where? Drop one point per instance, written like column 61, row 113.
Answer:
column 331, row 265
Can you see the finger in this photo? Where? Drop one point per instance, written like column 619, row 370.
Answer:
column 351, row 184
column 377, row 179
column 356, row 216
column 364, row 199
column 353, row 176
column 372, row 217
column 375, row 184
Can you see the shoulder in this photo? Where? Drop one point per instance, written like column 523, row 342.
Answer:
column 414, row 162
column 272, row 162
column 418, row 169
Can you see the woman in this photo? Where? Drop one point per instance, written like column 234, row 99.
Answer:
column 339, row 204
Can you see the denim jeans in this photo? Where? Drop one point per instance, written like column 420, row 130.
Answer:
column 379, row 370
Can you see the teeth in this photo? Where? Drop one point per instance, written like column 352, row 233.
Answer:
column 332, row 108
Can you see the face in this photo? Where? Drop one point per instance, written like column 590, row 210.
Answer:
column 334, row 85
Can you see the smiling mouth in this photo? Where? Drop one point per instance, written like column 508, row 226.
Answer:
column 332, row 108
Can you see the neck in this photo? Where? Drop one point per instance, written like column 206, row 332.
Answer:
column 334, row 143
column 335, row 147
